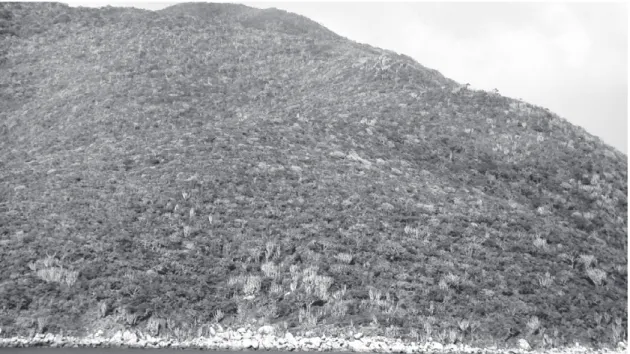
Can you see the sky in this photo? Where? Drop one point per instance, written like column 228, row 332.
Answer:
column 569, row 57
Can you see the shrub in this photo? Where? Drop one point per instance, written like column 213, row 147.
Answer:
column 596, row 275
column 270, row 270
column 587, row 260
column 344, row 258
column 251, row 285
column 546, row 280
column 533, row 324
column 540, row 243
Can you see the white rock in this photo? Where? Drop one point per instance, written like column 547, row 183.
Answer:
column 220, row 344
column 237, row 345
column 358, row 346
column 129, row 337
column 268, row 343
column 291, row 345
column 358, row 335
column 522, row 343
column 266, row 330
column 202, row 342
column 247, row 343
column 314, row 341
column 451, row 348
column 147, row 339
column 326, row 344
column 164, row 343
column 398, row 348
column 436, row 346
column 376, row 346
column 118, row 336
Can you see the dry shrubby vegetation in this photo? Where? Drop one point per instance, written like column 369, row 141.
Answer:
column 213, row 163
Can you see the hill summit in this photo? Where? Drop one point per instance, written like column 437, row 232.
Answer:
column 215, row 163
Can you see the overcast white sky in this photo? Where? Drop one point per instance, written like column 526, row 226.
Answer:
column 569, row 57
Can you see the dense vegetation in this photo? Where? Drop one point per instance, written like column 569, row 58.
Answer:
column 214, row 162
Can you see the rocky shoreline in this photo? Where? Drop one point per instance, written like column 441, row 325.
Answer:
column 265, row 339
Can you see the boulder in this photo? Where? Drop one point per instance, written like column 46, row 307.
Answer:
column 451, row 348
column 314, row 341
column 376, row 345
column 326, row 344
column 358, row 346
column 164, row 343
column 49, row 338
column 337, row 345
column 116, row 338
column 291, row 345
column 523, row 344
column 398, row 348
column 268, row 343
column 266, row 330
column 236, row 344
column 129, row 337
column 436, row 346
column 247, row 343
column 217, row 343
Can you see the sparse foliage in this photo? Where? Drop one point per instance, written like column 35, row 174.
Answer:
column 254, row 166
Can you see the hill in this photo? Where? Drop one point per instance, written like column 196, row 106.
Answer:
column 209, row 163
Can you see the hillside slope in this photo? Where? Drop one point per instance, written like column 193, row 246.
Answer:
column 214, row 162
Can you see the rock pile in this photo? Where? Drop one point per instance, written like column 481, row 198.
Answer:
column 267, row 339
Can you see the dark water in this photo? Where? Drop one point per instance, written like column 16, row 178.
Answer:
column 132, row 351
